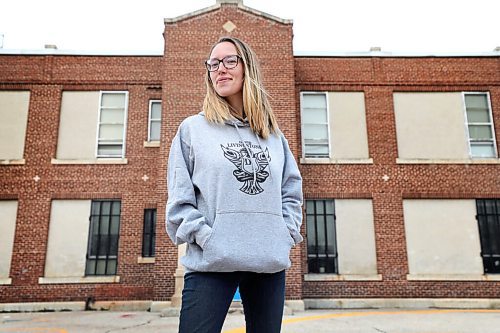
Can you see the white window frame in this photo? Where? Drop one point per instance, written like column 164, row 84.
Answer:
column 325, row 93
column 150, row 120
column 125, row 116
column 491, row 124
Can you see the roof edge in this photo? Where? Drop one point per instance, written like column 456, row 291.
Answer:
column 82, row 53
column 296, row 54
column 221, row 3
column 186, row 16
column 380, row 54
column 265, row 15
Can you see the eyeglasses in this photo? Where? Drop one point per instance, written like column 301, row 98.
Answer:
column 229, row 62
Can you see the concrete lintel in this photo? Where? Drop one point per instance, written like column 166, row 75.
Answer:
column 121, row 305
column 12, row 162
column 5, row 281
column 76, row 306
column 160, row 306
column 406, row 303
column 42, row 306
column 295, row 305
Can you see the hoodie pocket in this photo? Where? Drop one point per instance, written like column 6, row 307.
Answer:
column 248, row 241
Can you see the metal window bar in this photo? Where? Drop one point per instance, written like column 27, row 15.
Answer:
column 97, row 256
column 108, row 241
column 316, row 238
column 149, row 233
column 98, row 241
column 329, row 259
column 489, row 233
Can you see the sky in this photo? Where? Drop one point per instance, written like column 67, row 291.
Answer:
column 320, row 26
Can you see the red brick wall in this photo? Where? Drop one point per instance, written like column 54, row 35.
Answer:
column 80, row 70
column 47, row 77
column 379, row 78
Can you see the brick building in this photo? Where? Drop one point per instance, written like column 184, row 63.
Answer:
column 398, row 154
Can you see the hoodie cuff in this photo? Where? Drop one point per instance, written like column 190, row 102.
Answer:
column 203, row 235
column 297, row 237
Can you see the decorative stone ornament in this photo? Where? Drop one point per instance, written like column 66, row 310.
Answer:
column 229, row 26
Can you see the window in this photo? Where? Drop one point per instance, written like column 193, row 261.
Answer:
column 315, row 132
column 154, row 120
column 479, row 125
column 111, row 127
column 444, row 126
column 321, row 236
column 149, row 233
column 488, row 217
column 8, row 216
column 14, row 106
column 102, row 249
column 92, row 125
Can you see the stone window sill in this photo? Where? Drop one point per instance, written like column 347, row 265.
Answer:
column 342, row 277
column 448, row 161
column 95, row 161
column 145, row 260
column 76, row 279
column 310, row 160
column 5, row 281
column 151, row 144
column 13, row 162
column 453, row 277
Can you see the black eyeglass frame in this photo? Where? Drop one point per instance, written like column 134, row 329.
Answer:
column 223, row 62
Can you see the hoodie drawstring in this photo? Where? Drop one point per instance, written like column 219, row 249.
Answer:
column 265, row 156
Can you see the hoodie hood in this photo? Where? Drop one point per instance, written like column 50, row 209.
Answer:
column 233, row 121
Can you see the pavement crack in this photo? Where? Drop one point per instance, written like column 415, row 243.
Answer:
column 132, row 327
column 376, row 329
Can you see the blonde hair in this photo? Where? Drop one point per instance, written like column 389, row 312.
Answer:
column 255, row 99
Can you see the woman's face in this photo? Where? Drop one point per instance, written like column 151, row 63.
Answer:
column 228, row 83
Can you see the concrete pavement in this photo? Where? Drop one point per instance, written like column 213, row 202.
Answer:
column 310, row 321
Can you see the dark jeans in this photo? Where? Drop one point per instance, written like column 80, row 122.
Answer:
column 206, row 298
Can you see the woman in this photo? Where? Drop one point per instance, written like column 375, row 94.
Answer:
column 234, row 196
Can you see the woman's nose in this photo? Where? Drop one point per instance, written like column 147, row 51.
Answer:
column 221, row 68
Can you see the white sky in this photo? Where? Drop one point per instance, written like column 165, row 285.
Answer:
column 417, row 26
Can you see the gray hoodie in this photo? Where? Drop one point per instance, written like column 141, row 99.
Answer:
column 235, row 198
